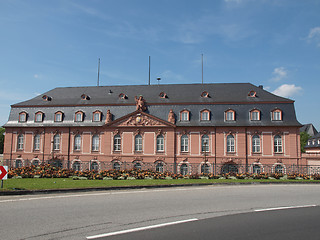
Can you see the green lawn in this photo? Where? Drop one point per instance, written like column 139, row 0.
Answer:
column 63, row 183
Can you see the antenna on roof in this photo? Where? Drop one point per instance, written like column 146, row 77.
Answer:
column 202, row 67
column 98, row 73
column 158, row 79
column 149, row 68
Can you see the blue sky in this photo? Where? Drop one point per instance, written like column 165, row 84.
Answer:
column 48, row 44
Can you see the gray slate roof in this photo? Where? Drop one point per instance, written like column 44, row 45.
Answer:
column 180, row 96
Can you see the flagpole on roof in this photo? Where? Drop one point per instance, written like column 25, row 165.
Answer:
column 202, row 67
column 149, row 68
column 98, row 72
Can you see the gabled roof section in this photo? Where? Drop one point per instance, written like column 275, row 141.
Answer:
column 139, row 119
column 176, row 94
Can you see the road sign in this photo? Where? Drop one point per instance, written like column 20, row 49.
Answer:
column 3, row 172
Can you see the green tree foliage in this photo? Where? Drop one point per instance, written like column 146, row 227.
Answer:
column 303, row 140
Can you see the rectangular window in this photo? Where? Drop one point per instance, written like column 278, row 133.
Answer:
column 276, row 116
column 20, row 142
column 78, row 117
column 255, row 116
column 96, row 117
column 277, row 144
column 36, row 145
column 95, row 143
column 38, row 117
column 205, row 116
column 184, row 143
column 138, row 143
column 160, row 144
column 58, row 117
column 184, row 116
column 230, row 116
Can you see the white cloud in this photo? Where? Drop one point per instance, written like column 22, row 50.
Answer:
column 287, row 90
column 279, row 74
column 314, row 35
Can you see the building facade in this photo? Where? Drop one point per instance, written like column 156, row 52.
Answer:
column 182, row 128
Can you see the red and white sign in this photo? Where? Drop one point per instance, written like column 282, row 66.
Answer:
column 3, row 172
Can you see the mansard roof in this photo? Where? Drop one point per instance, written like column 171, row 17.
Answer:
column 120, row 100
column 174, row 93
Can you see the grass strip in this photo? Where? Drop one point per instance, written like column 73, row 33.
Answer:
column 66, row 183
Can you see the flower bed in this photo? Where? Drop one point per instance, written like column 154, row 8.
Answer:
column 48, row 171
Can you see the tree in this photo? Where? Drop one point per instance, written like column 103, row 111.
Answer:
column 1, row 140
column 303, row 140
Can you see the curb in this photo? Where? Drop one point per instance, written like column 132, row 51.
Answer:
column 71, row 190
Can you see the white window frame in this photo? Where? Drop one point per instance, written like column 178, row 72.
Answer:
column 184, row 143
column 160, row 143
column 95, row 142
column 205, row 148
column 36, row 142
column 77, row 142
column 117, row 143
column 205, row 116
column 277, row 144
column 96, row 116
column 230, row 143
column 20, row 142
column 138, row 143
column 185, row 116
column 256, row 144
column 56, row 142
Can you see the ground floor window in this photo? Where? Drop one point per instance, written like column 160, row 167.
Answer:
column 137, row 166
column 229, row 168
column 159, row 167
column 76, row 166
column 36, row 162
column 116, row 166
column 94, row 166
column 205, row 168
column 184, row 169
column 18, row 163
column 278, row 169
column 256, row 168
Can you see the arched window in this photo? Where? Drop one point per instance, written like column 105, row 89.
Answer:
column 230, row 115
column 255, row 115
column 58, row 117
column 277, row 144
column 20, row 142
column 18, row 163
column 79, row 116
column 137, row 166
column 56, row 142
column 159, row 167
column 96, row 116
column 205, row 143
column 35, row 162
column 256, row 144
column 278, row 169
column 276, row 115
column 184, row 143
column 36, row 142
column 22, row 117
column 184, row 169
column 160, row 143
column 94, row 166
column 230, row 143
column 205, row 168
column 116, row 166
column 77, row 142
column 76, row 166
column 117, row 143
column 184, row 115
column 205, row 115
column 256, row 168
column 38, row 117
column 138, row 143
column 95, row 142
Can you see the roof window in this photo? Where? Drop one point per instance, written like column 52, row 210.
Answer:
column 122, row 96
column 85, row 97
column 205, row 94
column 163, row 95
column 46, row 98
column 252, row 94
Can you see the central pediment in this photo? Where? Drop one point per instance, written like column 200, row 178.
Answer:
column 140, row 119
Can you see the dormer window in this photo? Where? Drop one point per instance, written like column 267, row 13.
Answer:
column 22, row 117
column 276, row 115
column 58, row 117
column 205, row 115
column 122, row 96
column 79, row 116
column 252, row 94
column 255, row 115
column 85, row 97
column 205, row 94
column 230, row 115
column 184, row 115
column 38, row 117
column 163, row 95
column 46, row 98
column 96, row 116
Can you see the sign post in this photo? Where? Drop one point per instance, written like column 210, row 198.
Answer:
column 3, row 174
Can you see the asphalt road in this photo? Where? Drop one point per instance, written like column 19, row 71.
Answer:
column 77, row 216
column 293, row 224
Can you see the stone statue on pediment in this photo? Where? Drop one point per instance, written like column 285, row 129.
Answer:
column 109, row 117
column 171, row 117
column 140, row 103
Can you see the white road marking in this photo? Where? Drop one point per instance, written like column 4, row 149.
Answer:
column 140, row 229
column 280, row 208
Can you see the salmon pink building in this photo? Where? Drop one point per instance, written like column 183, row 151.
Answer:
column 182, row 128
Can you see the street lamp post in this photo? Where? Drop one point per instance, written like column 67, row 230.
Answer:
column 205, row 143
